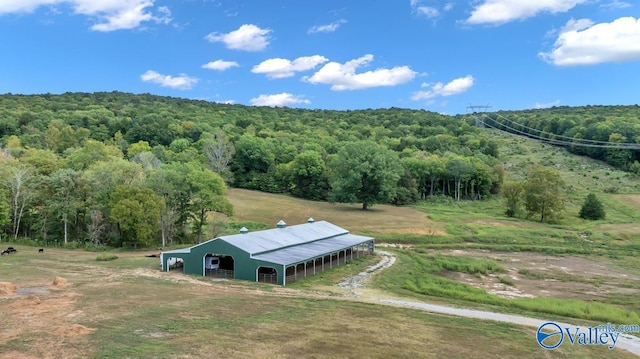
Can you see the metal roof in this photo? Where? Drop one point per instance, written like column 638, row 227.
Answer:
column 290, row 245
column 278, row 238
column 306, row 251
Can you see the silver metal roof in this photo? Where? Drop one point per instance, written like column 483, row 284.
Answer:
column 277, row 238
column 304, row 252
column 290, row 245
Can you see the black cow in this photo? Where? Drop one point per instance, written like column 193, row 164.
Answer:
column 9, row 250
column 41, row 250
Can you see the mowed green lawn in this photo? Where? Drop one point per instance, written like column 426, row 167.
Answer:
column 127, row 308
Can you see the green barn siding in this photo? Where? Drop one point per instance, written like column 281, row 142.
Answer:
column 246, row 267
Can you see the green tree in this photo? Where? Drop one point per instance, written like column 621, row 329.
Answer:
column 461, row 169
column 4, row 211
column 592, row 208
column 544, row 190
column 307, row 175
column 207, row 195
column 43, row 162
column 92, row 151
column 18, row 180
column 219, row 152
column 64, row 196
column 512, row 192
column 138, row 147
column 137, row 212
column 191, row 192
column 364, row 172
column 252, row 162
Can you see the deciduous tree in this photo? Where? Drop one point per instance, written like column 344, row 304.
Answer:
column 544, row 190
column 364, row 172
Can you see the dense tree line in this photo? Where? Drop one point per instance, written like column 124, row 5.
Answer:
column 116, row 168
column 597, row 124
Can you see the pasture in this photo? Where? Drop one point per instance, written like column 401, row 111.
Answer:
column 127, row 308
column 81, row 304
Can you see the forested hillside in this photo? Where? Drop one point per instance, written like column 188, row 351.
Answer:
column 123, row 169
column 607, row 133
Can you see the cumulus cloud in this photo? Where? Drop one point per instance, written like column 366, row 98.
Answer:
column 455, row 87
column 109, row 15
column 248, row 38
column 180, row 82
column 278, row 100
column 220, row 65
column 327, row 28
column 581, row 42
column 280, row 68
column 344, row 77
column 503, row 11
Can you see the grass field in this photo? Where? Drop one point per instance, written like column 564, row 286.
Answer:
column 117, row 304
column 126, row 308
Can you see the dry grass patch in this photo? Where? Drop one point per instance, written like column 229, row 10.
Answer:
column 270, row 208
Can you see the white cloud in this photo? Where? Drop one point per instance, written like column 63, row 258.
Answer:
column 428, row 11
column 180, row 82
column 539, row 105
column 280, row 68
column 110, row 15
column 278, row 100
column 248, row 38
column 344, row 76
column 589, row 44
column 616, row 4
column 502, row 11
column 454, row 87
column 327, row 28
column 220, row 65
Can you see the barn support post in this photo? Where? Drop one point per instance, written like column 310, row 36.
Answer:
column 284, row 275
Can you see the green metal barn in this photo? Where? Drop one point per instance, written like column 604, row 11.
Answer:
column 280, row 255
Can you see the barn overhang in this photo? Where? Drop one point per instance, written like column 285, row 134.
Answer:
column 308, row 251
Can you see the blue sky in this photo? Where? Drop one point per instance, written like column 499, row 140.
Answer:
column 423, row 54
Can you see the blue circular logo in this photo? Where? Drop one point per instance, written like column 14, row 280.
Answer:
column 552, row 336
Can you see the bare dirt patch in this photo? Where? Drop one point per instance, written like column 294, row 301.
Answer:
column 7, row 288
column 419, row 231
column 59, row 282
column 539, row 275
column 40, row 326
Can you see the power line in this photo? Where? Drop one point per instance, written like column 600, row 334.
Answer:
column 556, row 140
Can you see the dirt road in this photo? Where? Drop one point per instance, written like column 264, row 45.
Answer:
column 355, row 285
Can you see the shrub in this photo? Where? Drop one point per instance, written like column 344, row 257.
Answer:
column 103, row 257
column 592, row 208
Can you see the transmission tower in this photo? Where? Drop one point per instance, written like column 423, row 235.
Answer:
column 481, row 109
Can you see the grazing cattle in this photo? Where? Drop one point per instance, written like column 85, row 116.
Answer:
column 41, row 250
column 9, row 250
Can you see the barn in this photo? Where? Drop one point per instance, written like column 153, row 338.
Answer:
column 279, row 255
